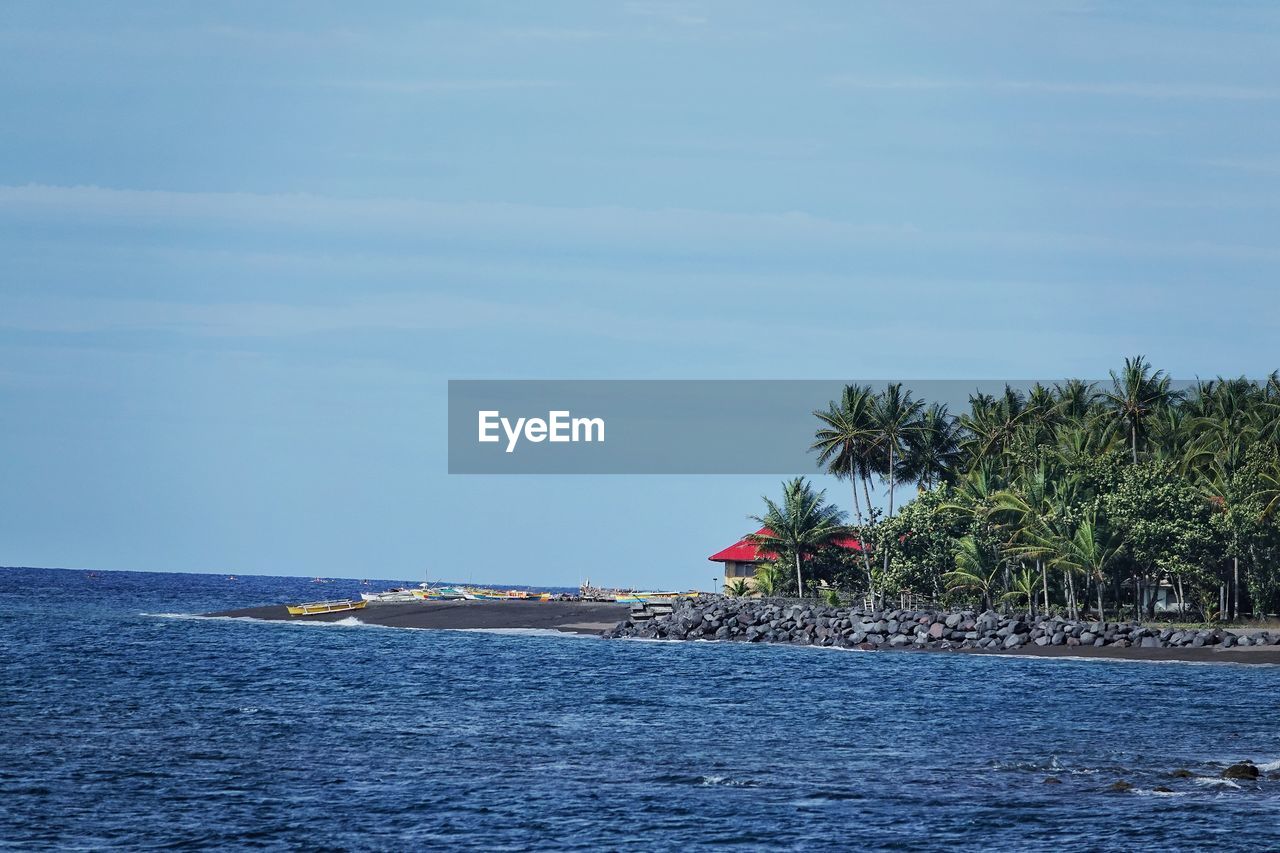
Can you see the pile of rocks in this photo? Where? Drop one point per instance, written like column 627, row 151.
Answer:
column 813, row 624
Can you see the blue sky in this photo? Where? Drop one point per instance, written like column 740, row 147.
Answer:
column 243, row 246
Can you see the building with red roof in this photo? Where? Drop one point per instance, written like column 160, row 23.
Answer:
column 741, row 558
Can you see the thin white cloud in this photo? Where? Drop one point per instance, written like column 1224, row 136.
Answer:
column 426, row 87
column 470, row 225
column 1167, row 91
column 431, row 312
column 553, row 34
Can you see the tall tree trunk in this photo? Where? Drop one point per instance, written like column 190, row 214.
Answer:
column 853, row 486
column 891, row 483
column 885, row 545
column 799, row 579
column 1235, row 588
column 857, row 509
column 1102, row 614
column 1071, row 593
column 1044, row 584
column 866, row 493
column 866, row 558
column 1133, row 431
column 1182, row 601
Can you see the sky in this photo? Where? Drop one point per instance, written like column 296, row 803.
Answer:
column 243, row 247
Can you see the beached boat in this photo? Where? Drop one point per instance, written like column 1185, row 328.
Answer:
column 443, row 593
column 399, row 594
column 315, row 607
column 643, row 597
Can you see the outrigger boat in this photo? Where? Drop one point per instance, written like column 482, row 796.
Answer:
column 317, row 607
column 443, row 593
column 392, row 595
column 646, row 597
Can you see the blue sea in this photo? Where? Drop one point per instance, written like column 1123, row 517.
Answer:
column 130, row 723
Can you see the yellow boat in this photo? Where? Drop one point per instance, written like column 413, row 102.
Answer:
column 315, row 607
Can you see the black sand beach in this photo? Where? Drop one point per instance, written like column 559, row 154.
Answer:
column 595, row 617
column 576, row 617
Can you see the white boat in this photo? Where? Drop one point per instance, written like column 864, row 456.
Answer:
column 390, row 596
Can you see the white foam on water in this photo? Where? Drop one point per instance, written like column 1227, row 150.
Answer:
column 1269, row 766
column 348, row 622
column 725, row 781
column 520, row 632
column 1214, row 780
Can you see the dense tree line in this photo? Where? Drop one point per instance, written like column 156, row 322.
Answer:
column 1071, row 497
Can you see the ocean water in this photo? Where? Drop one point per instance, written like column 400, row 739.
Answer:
column 128, row 723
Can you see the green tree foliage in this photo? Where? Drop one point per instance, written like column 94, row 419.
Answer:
column 1105, row 496
column 798, row 526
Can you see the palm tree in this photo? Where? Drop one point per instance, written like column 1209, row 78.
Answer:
column 1269, row 494
column 896, row 416
column 846, row 435
column 845, row 441
column 769, row 579
column 1025, row 511
column 993, row 424
column 1076, row 400
column 933, row 450
column 1136, row 394
column 797, row 527
column 976, row 569
column 1090, row 550
column 738, row 588
column 1023, row 590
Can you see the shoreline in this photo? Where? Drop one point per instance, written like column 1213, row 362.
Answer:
column 570, row 617
column 605, row 619
column 809, row 623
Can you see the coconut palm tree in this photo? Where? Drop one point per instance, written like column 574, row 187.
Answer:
column 932, row 452
column 801, row 524
column 1076, row 400
column 847, row 433
column 769, row 579
column 1024, row 511
column 1269, row 494
column 992, row 425
column 1023, row 589
column 1090, row 550
column 845, row 443
column 1137, row 393
column 738, row 588
column 975, row 571
column 896, row 415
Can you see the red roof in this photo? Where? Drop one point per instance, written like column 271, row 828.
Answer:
column 743, row 551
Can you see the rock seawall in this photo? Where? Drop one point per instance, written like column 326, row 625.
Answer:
column 810, row 623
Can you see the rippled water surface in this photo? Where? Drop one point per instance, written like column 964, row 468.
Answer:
column 127, row 724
